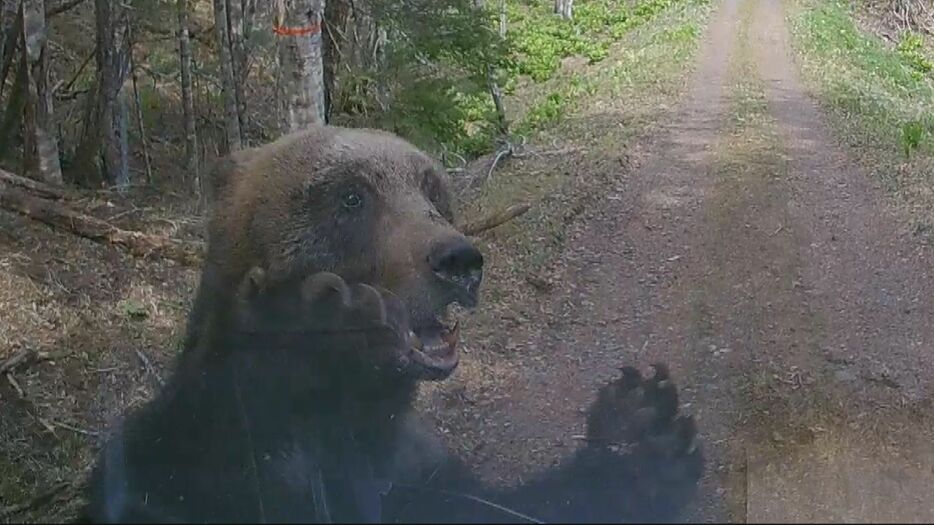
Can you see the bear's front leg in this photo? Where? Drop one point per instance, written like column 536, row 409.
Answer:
column 641, row 462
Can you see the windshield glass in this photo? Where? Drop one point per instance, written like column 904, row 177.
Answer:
column 466, row 260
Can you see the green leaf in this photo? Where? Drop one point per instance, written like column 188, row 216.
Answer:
column 133, row 309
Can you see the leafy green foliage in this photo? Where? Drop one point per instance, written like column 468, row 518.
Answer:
column 831, row 29
column 540, row 39
column 548, row 110
column 133, row 310
column 431, row 83
column 911, row 49
column 871, row 88
column 912, row 134
column 438, row 59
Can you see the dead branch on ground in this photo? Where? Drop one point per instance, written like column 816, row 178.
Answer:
column 494, row 220
column 40, row 188
column 138, row 243
column 28, row 357
column 55, row 214
column 508, row 149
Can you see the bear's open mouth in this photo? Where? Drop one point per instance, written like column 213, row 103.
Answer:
column 434, row 349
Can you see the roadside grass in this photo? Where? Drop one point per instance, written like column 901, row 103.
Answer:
column 582, row 116
column 645, row 52
column 880, row 98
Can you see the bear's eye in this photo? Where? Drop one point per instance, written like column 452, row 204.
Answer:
column 351, row 200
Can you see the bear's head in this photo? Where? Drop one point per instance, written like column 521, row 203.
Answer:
column 362, row 204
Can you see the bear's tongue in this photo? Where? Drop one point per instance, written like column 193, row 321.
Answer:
column 438, row 344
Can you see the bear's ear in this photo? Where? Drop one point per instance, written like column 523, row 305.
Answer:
column 435, row 185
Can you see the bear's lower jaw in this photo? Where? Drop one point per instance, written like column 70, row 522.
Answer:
column 434, row 352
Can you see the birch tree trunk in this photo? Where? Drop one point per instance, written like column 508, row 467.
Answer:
column 188, row 101
column 235, row 25
column 117, row 143
column 502, row 19
column 40, row 151
column 228, row 82
column 300, row 57
column 563, row 8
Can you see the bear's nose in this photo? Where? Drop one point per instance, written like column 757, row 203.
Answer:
column 459, row 263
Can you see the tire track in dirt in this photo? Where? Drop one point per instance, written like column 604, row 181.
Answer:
column 621, row 300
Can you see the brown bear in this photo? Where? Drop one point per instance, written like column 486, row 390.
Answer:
column 332, row 261
column 362, row 204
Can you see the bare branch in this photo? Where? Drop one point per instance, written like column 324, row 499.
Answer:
column 137, row 243
column 494, row 220
column 67, row 5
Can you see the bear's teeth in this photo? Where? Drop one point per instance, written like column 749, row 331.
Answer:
column 416, row 341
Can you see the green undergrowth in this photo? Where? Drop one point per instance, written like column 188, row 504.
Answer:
column 541, row 39
column 591, row 114
column 880, row 96
column 461, row 118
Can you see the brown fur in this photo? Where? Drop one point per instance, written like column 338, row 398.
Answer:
column 278, row 207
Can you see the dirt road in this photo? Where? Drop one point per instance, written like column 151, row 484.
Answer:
column 774, row 277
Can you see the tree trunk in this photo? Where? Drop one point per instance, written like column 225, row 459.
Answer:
column 116, row 143
column 366, row 48
column 491, row 81
column 563, row 8
column 40, row 149
column 122, row 131
column 249, row 15
column 188, row 103
column 12, row 27
column 502, row 19
column 14, row 110
column 228, row 82
column 235, row 24
column 101, row 137
column 302, row 81
column 337, row 13
column 140, row 123
column 10, row 19
column 85, row 171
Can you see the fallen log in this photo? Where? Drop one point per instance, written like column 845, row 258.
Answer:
column 494, row 220
column 142, row 244
column 39, row 188
column 138, row 243
column 28, row 357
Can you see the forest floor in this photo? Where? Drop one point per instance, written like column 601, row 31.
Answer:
column 694, row 209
